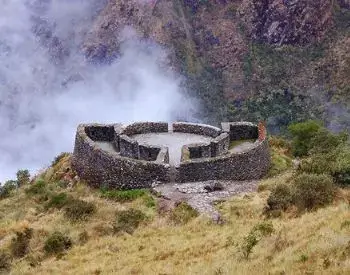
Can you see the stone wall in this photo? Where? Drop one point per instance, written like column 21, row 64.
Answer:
column 240, row 130
column 252, row 163
column 102, row 168
column 220, row 145
column 128, row 147
column 137, row 166
column 149, row 152
column 145, row 127
column 199, row 150
column 194, row 128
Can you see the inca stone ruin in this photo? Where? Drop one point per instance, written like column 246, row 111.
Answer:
column 141, row 154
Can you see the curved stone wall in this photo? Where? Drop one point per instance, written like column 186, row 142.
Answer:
column 145, row 127
column 103, row 168
column 195, row 128
column 252, row 163
column 131, row 165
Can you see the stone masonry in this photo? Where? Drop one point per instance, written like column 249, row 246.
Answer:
column 108, row 156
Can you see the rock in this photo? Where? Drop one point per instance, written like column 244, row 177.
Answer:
column 214, row 186
column 292, row 22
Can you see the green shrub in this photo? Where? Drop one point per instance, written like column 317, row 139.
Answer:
column 254, row 236
column 20, row 243
column 264, row 229
column 302, row 134
column 341, row 168
column 307, row 192
column 58, row 200
column 123, row 195
column 5, row 261
column 318, row 164
column 79, row 210
column 128, row 220
column 279, row 163
column 324, row 141
column 59, row 158
column 279, row 200
column 312, row 191
column 248, row 244
column 23, row 177
column 7, row 188
column 37, row 188
column 183, row 213
column 56, row 243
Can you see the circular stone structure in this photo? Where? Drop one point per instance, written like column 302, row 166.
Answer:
column 139, row 154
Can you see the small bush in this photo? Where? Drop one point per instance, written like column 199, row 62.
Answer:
column 312, row 191
column 302, row 134
column 123, row 195
column 23, row 177
column 279, row 200
column 20, row 243
column 255, row 235
column 325, row 141
column 59, row 158
column 341, row 168
column 183, row 213
column 5, row 261
column 264, row 228
column 56, row 243
column 79, row 210
column 7, row 188
column 58, row 201
column 37, row 188
column 128, row 220
column 248, row 244
column 318, row 164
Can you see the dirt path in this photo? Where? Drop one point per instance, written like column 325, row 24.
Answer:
column 197, row 195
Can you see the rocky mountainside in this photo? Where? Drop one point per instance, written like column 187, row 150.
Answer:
column 238, row 50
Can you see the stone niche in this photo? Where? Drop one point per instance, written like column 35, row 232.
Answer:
column 240, row 130
column 100, row 132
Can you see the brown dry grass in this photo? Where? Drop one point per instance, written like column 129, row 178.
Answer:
column 314, row 243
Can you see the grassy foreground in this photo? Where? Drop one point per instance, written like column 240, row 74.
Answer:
column 315, row 242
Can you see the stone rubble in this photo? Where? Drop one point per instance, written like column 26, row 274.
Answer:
column 199, row 198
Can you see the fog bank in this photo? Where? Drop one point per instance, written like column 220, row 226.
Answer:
column 47, row 87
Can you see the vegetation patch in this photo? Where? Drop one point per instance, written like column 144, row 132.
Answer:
column 57, row 243
column 79, row 210
column 306, row 192
column 313, row 191
column 58, row 200
column 183, row 213
column 23, row 177
column 59, row 158
column 5, row 261
column 254, row 236
column 37, row 188
column 20, row 243
column 128, row 220
column 7, row 188
column 123, row 195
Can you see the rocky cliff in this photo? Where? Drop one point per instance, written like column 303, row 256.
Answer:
column 235, row 50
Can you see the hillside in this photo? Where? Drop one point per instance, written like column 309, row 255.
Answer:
column 241, row 53
column 133, row 232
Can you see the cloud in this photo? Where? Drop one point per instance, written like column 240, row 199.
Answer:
column 47, row 87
